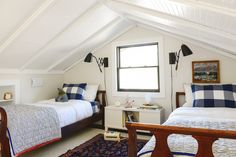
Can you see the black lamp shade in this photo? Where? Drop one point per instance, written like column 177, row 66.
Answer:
column 88, row 58
column 172, row 58
column 186, row 50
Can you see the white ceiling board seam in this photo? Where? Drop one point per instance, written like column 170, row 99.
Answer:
column 127, row 7
column 104, row 44
column 25, row 24
column 207, row 6
column 17, row 71
column 115, row 21
column 41, row 50
column 181, row 34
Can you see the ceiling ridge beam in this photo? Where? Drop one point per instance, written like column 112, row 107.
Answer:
column 127, row 7
column 208, row 6
column 113, row 22
column 225, row 52
column 42, row 49
column 104, row 44
column 190, row 40
column 25, row 24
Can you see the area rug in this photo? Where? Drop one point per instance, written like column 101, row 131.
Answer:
column 98, row 147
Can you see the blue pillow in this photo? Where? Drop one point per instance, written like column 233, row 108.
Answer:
column 75, row 91
column 214, row 95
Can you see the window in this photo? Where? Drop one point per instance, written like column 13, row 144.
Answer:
column 138, row 68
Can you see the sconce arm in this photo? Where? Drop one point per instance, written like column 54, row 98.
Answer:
column 99, row 65
column 177, row 59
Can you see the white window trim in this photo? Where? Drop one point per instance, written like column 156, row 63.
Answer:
column 160, row 94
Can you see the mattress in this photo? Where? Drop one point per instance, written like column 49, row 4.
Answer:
column 68, row 112
column 212, row 118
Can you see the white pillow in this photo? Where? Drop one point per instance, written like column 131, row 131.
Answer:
column 188, row 95
column 90, row 92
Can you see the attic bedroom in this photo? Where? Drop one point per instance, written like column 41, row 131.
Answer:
column 117, row 78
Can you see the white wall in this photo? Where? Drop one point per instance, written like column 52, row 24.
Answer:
column 85, row 72
column 30, row 94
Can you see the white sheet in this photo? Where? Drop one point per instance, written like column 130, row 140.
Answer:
column 68, row 112
column 218, row 113
column 213, row 118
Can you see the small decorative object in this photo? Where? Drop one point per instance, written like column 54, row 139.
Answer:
column 7, row 96
column 206, row 71
column 128, row 102
column 62, row 97
column 148, row 100
column 117, row 103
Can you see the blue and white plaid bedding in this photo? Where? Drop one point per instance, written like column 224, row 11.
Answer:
column 74, row 91
column 214, row 95
column 95, row 106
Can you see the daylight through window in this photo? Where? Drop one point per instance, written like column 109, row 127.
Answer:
column 138, row 68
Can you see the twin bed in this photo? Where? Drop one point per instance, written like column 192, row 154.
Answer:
column 205, row 126
column 27, row 127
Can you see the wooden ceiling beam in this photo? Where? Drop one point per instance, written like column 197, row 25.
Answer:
column 25, row 24
column 221, row 48
column 43, row 49
column 75, row 50
column 102, row 45
column 167, row 19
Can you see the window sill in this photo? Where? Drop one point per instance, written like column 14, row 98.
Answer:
column 138, row 94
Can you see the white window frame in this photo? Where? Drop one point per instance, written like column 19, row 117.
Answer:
column 160, row 94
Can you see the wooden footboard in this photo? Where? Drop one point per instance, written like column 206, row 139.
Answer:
column 204, row 137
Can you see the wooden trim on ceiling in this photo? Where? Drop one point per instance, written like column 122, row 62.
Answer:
column 102, row 45
column 75, row 50
column 42, row 50
column 25, row 24
column 131, row 9
column 189, row 40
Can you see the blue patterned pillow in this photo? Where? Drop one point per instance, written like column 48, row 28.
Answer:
column 74, row 91
column 214, row 95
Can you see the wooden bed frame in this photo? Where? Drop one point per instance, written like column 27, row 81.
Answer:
column 66, row 131
column 204, row 137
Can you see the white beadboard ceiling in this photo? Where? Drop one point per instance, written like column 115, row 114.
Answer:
column 51, row 36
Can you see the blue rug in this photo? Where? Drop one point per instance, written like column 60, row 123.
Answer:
column 98, row 147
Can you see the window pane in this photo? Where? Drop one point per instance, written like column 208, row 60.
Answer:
column 139, row 56
column 139, row 78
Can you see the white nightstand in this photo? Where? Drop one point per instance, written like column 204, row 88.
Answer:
column 116, row 116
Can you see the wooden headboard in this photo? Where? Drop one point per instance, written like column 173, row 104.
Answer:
column 178, row 94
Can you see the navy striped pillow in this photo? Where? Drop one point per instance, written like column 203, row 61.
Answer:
column 214, row 95
column 75, row 91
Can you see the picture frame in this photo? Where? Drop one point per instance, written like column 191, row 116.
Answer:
column 206, row 71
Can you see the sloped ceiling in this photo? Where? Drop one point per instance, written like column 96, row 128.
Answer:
column 51, row 36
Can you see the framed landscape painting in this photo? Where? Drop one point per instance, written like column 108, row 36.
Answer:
column 206, row 71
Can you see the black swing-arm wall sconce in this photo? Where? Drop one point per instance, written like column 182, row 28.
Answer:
column 100, row 61
column 174, row 56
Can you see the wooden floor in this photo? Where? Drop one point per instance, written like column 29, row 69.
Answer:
column 60, row 147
